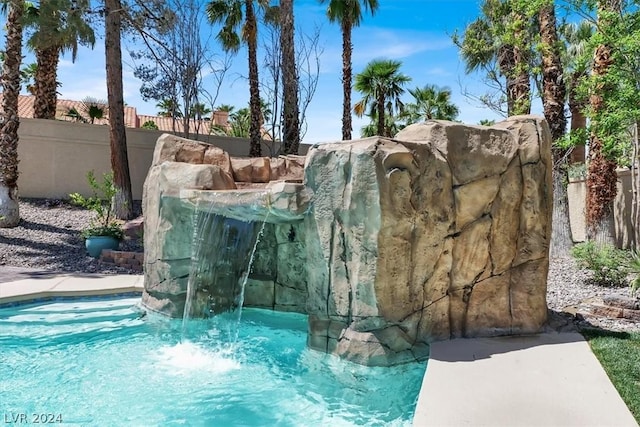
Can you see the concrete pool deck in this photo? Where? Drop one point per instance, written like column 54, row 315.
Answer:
column 22, row 284
column 550, row 379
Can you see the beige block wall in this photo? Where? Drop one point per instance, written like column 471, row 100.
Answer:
column 55, row 156
column 577, row 192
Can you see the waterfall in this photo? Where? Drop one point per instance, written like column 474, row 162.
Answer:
column 222, row 251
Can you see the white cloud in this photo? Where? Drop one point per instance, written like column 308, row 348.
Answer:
column 374, row 43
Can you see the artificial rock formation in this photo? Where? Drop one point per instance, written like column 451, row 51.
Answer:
column 441, row 232
column 182, row 167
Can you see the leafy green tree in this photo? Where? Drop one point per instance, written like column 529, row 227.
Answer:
column 349, row 14
column 381, row 84
column 58, row 26
column 430, row 102
column 237, row 15
column 9, row 119
column 498, row 42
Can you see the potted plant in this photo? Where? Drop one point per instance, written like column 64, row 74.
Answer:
column 104, row 231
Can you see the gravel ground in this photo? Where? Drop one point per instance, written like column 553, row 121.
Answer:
column 48, row 238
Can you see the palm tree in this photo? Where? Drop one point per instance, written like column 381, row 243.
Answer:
column 500, row 36
column 371, row 129
column 576, row 63
column 59, row 26
column 95, row 109
column 349, row 14
column 199, row 111
column 519, row 31
column 553, row 100
column 169, row 108
column 553, row 87
column 123, row 201
column 232, row 15
column 240, row 123
column 9, row 120
column 27, row 76
column 601, row 177
column 381, row 84
column 290, row 111
column 431, row 102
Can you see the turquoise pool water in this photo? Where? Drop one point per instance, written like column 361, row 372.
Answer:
column 101, row 363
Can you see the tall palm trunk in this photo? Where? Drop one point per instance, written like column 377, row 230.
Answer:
column 9, row 120
column 44, row 105
column 506, row 64
column 123, row 203
column 380, row 107
column 291, row 116
column 602, row 176
column 347, row 49
column 554, row 91
column 251, row 29
column 578, row 119
column 522, row 82
column 553, row 96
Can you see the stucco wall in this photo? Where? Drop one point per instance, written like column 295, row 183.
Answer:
column 577, row 192
column 55, row 156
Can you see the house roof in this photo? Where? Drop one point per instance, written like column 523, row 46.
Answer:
column 25, row 110
column 167, row 124
column 131, row 117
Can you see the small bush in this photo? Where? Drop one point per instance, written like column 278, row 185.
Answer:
column 635, row 270
column 101, row 202
column 610, row 266
column 150, row 124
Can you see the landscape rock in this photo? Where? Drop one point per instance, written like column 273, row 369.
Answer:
column 440, row 232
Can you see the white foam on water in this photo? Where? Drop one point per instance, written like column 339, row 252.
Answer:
column 188, row 357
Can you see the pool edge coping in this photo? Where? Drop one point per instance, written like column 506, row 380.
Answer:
column 65, row 285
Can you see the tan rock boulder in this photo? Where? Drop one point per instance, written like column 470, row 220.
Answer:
column 441, row 232
column 257, row 169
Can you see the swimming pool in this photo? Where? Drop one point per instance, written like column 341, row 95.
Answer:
column 106, row 363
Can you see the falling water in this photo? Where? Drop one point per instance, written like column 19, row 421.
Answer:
column 222, row 251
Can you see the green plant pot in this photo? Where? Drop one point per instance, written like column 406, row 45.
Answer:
column 95, row 244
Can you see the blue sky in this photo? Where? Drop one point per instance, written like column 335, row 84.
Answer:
column 416, row 32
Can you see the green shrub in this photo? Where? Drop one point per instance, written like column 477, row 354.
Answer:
column 610, row 265
column 149, row 124
column 101, row 202
column 635, row 270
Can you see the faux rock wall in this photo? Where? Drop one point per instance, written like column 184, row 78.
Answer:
column 180, row 163
column 442, row 232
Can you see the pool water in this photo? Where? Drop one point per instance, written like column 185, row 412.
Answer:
column 105, row 363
